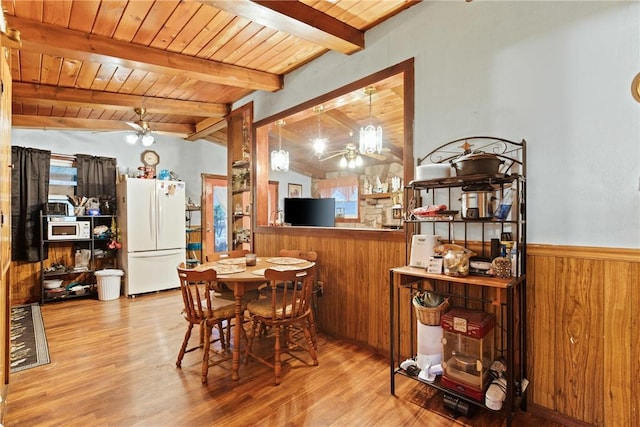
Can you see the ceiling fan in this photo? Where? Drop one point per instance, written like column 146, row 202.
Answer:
column 351, row 156
column 143, row 131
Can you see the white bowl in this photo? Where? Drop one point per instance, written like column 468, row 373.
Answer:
column 52, row 283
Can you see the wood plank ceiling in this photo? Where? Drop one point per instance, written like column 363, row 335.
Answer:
column 87, row 64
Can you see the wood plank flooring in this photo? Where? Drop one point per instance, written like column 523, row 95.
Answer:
column 113, row 364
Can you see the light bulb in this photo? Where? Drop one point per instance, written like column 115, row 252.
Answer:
column 319, row 145
column 131, row 138
column 358, row 160
column 343, row 162
column 147, row 139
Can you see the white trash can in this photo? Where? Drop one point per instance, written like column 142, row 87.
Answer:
column 108, row 283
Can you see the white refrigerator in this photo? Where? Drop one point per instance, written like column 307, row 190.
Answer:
column 151, row 219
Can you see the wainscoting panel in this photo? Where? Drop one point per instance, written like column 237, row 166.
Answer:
column 584, row 313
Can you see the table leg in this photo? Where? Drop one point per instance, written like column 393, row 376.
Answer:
column 235, row 366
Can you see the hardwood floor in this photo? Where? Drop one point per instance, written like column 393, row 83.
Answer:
column 113, row 364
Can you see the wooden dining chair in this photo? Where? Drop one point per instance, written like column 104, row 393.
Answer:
column 217, row 256
column 225, row 291
column 297, row 253
column 311, row 256
column 284, row 306
column 203, row 308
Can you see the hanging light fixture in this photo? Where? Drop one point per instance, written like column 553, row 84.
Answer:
column 370, row 136
column 143, row 132
column 279, row 157
column 351, row 158
column 319, row 143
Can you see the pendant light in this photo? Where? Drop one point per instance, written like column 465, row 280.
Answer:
column 280, row 157
column 370, row 136
column 319, row 143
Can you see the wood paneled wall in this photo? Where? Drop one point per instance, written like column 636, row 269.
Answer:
column 354, row 267
column 583, row 314
column 583, row 318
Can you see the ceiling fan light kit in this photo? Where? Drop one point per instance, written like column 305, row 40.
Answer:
column 143, row 132
column 351, row 158
column 351, row 163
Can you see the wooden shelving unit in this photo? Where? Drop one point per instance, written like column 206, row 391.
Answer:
column 240, row 178
column 502, row 298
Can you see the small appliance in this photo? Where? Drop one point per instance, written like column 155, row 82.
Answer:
column 58, row 205
column 65, row 228
column 422, row 249
column 467, row 351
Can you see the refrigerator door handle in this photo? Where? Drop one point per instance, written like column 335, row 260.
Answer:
column 152, row 216
column 158, row 207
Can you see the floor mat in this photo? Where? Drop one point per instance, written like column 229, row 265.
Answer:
column 28, row 339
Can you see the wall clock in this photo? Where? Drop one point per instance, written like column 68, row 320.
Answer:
column 150, row 158
column 635, row 88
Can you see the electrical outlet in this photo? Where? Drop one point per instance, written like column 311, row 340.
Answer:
column 319, row 288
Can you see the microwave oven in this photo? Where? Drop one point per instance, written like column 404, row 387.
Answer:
column 65, row 230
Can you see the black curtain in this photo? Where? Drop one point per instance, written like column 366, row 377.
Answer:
column 96, row 177
column 29, row 191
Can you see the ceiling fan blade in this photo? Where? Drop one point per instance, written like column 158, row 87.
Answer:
column 331, row 156
column 135, row 126
column 375, row 156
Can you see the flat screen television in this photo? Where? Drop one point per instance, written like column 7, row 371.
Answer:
column 310, row 212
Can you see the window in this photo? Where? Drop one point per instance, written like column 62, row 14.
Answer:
column 63, row 176
column 345, row 190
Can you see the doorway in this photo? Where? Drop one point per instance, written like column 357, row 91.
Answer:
column 214, row 213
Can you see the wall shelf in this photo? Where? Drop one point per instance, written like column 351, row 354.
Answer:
column 376, row 196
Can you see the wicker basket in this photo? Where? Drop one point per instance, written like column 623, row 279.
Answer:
column 430, row 315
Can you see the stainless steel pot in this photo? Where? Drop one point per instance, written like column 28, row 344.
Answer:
column 478, row 204
column 477, row 163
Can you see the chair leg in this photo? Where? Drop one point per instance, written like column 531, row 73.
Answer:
column 249, row 349
column 205, row 351
column 278, row 362
column 310, row 345
column 223, row 343
column 312, row 329
column 185, row 342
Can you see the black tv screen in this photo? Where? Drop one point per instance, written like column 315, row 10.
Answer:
column 310, row 212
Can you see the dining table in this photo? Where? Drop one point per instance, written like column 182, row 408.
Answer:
column 239, row 276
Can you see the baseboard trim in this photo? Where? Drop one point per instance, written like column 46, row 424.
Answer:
column 548, row 414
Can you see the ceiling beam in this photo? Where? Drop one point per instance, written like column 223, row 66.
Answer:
column 66, row 123
column 68, row 97
column 55, row 40
column 207, row 127
column 297, row 19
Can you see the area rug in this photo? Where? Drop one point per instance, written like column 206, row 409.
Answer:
column 28, row 340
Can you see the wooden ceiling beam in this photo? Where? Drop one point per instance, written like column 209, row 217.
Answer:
column 67, row 123
column 68, row 97
column 55, row 40
column 297, row 19
column 207, row 127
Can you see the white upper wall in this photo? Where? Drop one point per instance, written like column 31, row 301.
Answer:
column 557, row 74
column 187, row 159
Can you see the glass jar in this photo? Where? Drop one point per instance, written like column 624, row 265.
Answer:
column 456, row 263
